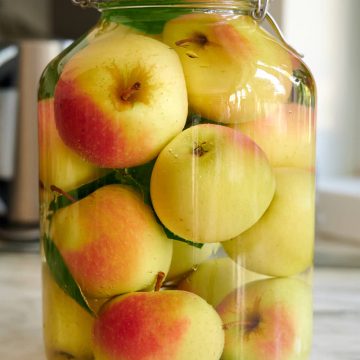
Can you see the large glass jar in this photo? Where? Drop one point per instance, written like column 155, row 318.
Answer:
column 177, row 187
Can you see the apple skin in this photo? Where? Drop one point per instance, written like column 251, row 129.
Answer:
column 120, row 100
column 211, row 183
column 216, row 278
column 67, row 326
column 105, row 28
column 232, row 67
column 268, row 320
column 281, row 243
column 286, row 134
column 169, row 324
column 111, row 242
column 58, row 164
column 186, row 257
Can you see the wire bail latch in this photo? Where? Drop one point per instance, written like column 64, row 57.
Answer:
column 261, row 10
column 83, row 3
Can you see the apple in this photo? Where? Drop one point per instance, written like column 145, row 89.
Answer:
column 268, row 320
column 211, row 183
column 67, row 326
column 59, row 165
column 281, row 242
column 111, row 242
column 286, row 134
column 216, row 278
column 232, row 67
column 120, row 100
column 186, row 257
column 106, row 28
column 169, row 324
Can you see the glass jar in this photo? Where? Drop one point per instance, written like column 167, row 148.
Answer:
column 177, row 187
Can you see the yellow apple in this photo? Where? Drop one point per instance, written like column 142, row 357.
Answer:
column 186, row 257
column 67, row 326
column 216, row 278
column 232, row 67
column 105, row 28
column 286, row 134
column 268, row 320
column 281, row 242
column 211, row 183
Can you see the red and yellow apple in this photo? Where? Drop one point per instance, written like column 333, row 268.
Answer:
column 186, row 258
column 268, row 320
column 111, row 242
column 281, row 243
column 67, row 326
column 232, row 67
column 163, row 325
column 216, row 278
column 59, row 165
column 211, row 183
column 120, row 100
column 286, row 134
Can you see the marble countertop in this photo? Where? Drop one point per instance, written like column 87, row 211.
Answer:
column 336, row 306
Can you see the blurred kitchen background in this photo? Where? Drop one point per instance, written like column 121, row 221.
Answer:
column 326, row 31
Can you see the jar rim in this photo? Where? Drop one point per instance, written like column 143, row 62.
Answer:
column 102, row 5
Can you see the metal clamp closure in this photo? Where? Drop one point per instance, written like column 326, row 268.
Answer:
column 83, row 3
column 261, row 10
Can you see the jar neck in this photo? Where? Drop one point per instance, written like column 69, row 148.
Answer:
column 103, row 5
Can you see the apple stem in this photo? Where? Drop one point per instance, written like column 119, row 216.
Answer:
column 159, row 280
column 125, row 96
column 62, row 192
column 199, row 150
column 197, row 39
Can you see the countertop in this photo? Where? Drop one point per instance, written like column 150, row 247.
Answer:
column 336, row 308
